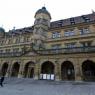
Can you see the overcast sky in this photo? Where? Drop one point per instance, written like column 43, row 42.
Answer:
column 20, row 13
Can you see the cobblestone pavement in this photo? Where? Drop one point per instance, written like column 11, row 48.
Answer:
column 42, row 87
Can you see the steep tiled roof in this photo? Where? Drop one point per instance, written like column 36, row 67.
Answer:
column 73, row 20
column 21, row 31
column 60, row 23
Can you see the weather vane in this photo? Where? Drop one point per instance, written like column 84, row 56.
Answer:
column 2, row 25
column 44, row 4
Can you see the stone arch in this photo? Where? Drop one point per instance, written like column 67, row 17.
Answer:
column 4, row 69
column 47, row 70
column 88, row 69
column 67, row 71
column 29, row 69
column 15, row 69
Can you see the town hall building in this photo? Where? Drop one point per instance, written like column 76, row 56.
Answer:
column 62, row 50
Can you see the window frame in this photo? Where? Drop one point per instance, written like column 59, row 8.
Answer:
column 56, row 35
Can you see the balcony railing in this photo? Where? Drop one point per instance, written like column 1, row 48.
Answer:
column 52, row 51
column 16, row 54
column 90, row 49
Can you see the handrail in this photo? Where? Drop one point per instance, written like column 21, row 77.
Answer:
column 73, row 50
column 90, row 49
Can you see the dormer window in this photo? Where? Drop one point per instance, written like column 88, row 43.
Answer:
column 72, row 21
column 60, row 23
column 86, row 19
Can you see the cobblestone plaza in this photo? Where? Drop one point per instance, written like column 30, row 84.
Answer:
column 43, row 87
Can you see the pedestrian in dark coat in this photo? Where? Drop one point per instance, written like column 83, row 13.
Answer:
column 1, row 81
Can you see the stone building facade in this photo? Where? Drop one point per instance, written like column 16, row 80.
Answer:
column 58, row 50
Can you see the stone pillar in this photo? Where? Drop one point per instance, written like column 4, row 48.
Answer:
column 0, row 68
column 76, row 30
column 91, row 28
column 37, row 71
column 78, row 74
column 9, row 70
column 21, row 70
column 57, row 71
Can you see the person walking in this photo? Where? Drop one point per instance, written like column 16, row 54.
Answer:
column 1, row 81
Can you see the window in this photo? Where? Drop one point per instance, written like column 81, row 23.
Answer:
column 1, row 51
column 70, row 45
column 66, row 34
column 86, row 19
column 7, row 50
column 69, row 33
column 26, row 39
column 6, row 41
column 17, row 40
column 72, row 33
column 84, row 31
column 1, row 42
column 21, row 39
column 9, row 41
column 44, row 20
column 15, row 49
column 56, row 46
column 60, row 23
column 86, row 44
column 72, row 21
column 56, row 35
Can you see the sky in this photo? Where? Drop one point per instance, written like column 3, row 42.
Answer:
column 20, row 13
